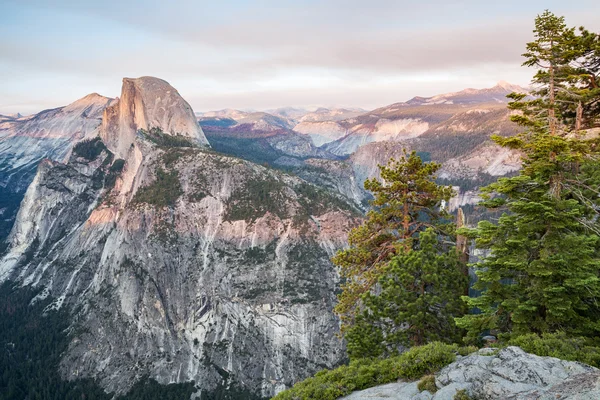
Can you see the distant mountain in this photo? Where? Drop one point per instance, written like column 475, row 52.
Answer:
column 290, row 113
column 471, row 96
column 25, row 141
column 331, row 114
column 404, row 120
column 258, row 137
column 452, row 129
column 10, row 117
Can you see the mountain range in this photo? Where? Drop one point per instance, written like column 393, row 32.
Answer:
column 196, row 247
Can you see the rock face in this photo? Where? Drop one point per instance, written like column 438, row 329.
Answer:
column 511, row 374
column 146, row 103
column 25, row 141
column 181, row 264
column 321, row 132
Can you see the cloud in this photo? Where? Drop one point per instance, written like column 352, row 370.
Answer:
column 235, row 48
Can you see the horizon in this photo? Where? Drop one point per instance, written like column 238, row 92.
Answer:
column 320, row 54
column 309, row 108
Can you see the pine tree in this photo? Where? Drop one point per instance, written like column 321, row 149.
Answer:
column 546, row 52
column 543, row 271
column 566, row 94
column 416, row 301
column 579, row 102
column 406, row 201
column 388, row 268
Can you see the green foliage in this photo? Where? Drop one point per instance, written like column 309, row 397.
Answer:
column 150, row 389
column 33, row 338
column 543, row 271
column 427, row 383
column 164, row 191
column 542, row 275
column 462, row 394
column 31, row 344
column 158, row 137
column 561, row 346
column 407, row 201
column 567, row 96
column 417, row 299
column 317, row 201
column 365, row 373
column 255, row 198
column 89, row 149
column 466, row 350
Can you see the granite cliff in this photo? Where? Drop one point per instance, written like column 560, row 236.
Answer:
column 179, row 263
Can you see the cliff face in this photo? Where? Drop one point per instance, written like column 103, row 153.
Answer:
column 180, row 263
column 25, row 141
column 147, row 103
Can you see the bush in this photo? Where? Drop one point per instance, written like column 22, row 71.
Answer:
column 427, row 383
column 466, row 350
column 462, row 395
column 559, row 345
column 89, row 149
column 365, row 373
column 158, row 137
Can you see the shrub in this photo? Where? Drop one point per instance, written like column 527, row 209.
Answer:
column 462, row 395
column 559, row 345
column 158, row 137
column 89, row 149
column 427, row 383
column 466, row 350
column 365, row 373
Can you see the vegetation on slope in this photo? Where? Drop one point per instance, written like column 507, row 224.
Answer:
column 364, row 373
column 89, row 149
column 158, row 137
column 164, row 191
column 32, row 340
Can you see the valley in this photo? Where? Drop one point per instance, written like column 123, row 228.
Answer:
column 186, row 248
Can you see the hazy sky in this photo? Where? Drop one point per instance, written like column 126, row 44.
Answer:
column 263, row 54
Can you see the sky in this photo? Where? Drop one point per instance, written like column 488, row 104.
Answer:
column 267, row 54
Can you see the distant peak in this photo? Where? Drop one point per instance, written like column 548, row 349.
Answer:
column 509, row 86
column 91, row 99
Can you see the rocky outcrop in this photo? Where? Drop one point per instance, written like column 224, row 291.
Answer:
column 507, row 374
column 146, row 103
column 182, row 264
column 321, row 132
column 379, row 130
column 488, row 158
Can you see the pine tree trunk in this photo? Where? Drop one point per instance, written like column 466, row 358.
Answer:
column 578, row 117
column 462, row 248
column 551, row 100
